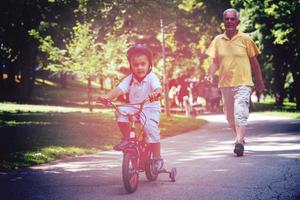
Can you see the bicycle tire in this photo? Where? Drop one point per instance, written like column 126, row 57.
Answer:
column 149, row 170
column 130, row 172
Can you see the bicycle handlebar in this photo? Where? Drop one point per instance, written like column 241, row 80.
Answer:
column 109, row 103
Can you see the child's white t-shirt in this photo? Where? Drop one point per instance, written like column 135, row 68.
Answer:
column 138, row 91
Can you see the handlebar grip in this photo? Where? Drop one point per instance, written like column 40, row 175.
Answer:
column 156, row 97
column 99, row 99
column 104, row 101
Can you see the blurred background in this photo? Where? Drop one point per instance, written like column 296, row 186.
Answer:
column 67, row 51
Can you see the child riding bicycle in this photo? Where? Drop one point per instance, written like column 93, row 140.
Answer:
column 140, row 84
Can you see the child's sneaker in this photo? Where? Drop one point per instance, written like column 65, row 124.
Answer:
column 158, row 164
column 122, row 145
column 239, row 149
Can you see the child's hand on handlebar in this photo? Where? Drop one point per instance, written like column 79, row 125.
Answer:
column 154, row 96
column 103, row 98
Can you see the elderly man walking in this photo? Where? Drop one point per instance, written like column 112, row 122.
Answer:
column 235, row 55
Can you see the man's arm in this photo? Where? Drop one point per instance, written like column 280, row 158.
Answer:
column 213, row 68
column 259, row 81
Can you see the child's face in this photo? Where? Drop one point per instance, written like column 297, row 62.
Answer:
column 139, row 65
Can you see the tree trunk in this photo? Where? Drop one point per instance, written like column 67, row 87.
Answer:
column 89, row 91
column 27, row 63
column 11, row 89
column 63, row 79
column 33, row 75
column 2, row 83
column 101, row 82
column 25, row 79
column 279, row 74
column 296, row 76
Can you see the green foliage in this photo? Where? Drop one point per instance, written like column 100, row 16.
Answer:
column 83, row 51
column 275, row 25
column 81, row 55
column 43, row 155
column 113, row 55
column 281, row 32
column 189, row 5
column 268, row 104
column 7, row 53
column 281, row 11
column 89, row 38
column 188, row 25
column 260, row 13
column 58, row 62
column 39, row 134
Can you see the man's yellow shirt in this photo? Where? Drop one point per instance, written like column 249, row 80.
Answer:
column 234, row 59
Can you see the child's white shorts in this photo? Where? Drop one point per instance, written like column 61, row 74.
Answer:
column 149, row 118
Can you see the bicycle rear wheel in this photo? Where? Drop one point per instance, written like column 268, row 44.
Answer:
column 130, row 170
column 149, row 168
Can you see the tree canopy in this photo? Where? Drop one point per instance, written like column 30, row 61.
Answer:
column 89, row 38
column 276, row 27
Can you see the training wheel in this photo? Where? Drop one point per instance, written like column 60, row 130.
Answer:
column 173, row 174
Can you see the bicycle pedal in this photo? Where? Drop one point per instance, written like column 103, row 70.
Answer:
column 163, row 170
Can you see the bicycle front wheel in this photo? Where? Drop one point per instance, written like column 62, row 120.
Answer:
column 130, row 170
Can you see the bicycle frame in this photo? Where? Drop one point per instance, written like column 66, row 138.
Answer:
column 138, row 145
column 137, row 157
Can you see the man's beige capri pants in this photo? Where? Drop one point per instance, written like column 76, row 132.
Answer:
column 236, row 104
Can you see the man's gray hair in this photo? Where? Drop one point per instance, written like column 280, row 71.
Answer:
column 232, row 10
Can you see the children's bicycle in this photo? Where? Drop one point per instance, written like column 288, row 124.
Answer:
column 137, row 156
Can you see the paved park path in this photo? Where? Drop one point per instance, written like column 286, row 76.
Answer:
column 207, row 168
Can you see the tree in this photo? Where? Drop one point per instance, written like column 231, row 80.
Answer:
column 278, row 29
column 81, row 56
column 200, row 23
column 17, row 19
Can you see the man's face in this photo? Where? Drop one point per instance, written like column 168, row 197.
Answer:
column 230, row 21
column 139, row 65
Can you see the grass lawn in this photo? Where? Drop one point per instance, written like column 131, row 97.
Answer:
column 295, row 115
column 34, row 134
column 268, row 107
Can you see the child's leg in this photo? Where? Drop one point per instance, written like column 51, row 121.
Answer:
column 124, row 128
column 155, row 148
column 151, row 128
column 123, row 123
